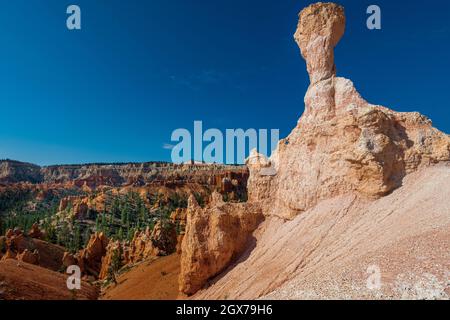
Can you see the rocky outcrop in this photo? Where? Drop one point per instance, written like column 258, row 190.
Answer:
column 140, row 247
column 16, row 241
column 69, row 260
column 178, row 218
column 215, row 236
column 160, row 241
column 164, row 239
column 80, row 206
column 18, row 245
column 90, row 259
column 113, row 251
column 319, row 30
column 342, row 145
column 35, row 232
column 29, row 257
column 9, row 254
column 331, row 250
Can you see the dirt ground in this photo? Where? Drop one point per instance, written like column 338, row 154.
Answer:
column 23, row 281
column 335, row 249
column 151, row 280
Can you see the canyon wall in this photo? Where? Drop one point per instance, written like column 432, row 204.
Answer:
column 15, row 171
column 225, row 178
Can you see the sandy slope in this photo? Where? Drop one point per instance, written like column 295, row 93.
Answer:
column 50, row 255
column 23, row 281
column 150, row 280
column 326, row 251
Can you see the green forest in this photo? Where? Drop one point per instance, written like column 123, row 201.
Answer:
column 122, row 216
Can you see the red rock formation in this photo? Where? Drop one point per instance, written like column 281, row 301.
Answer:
column 29, row 257
column 69, row 260
column 178, row 217
column 9, row 255
column 2, row 246
column 36, row 232
column 114, row 250
column 140, row 247
column 215, row 236
column 18, row 245
column 18, row 242
column 163, row 239
column 90, row 259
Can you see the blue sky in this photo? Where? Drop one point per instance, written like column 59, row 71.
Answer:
column 115, row 91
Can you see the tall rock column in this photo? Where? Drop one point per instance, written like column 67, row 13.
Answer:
column 342, row 144
column 320, row 28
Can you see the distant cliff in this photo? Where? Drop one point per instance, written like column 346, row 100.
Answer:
column 14, row 171
column 120, row 174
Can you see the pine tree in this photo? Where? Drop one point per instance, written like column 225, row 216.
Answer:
column 77, row 236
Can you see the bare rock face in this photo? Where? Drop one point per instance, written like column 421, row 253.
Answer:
column 160, row 241
column 342, row 143
column 164, row 239
column 9, row 255
column 29, row 257
column 14, row 171
column 178, row 218
column 80, row 210
column 90, row 258
column 16, row 242
column 114, row 250
column 140, row 247
column 68, row 260
column 35, row 232
column 215, row 236
column 320, row 28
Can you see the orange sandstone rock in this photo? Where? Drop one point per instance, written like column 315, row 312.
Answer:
column 90, row 258
column 215, row 236
column 342, row 145
column 29, row 257
column 36, row 232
